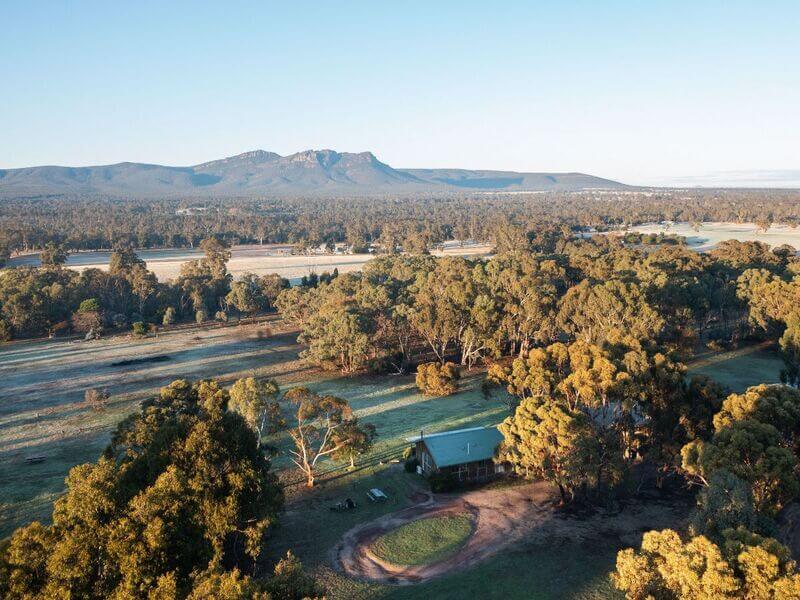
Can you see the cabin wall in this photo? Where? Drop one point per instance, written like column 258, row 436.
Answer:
column 424, row 458
column 480, row 470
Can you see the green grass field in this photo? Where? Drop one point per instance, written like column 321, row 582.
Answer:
column 425, row 541
column 741, row 368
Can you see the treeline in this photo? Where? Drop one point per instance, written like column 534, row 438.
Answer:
column 586, row 336
column 51, row 299
column 402, row 310
column 416, row 223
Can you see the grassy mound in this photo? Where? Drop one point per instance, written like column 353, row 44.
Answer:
column 424, row 541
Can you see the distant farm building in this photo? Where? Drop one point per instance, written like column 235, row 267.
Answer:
column 328, row 248
column 466, row 454
column 191, row 210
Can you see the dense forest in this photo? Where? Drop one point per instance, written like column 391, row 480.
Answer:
column 85, row 223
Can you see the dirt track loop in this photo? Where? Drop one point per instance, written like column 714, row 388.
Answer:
column 500, row 517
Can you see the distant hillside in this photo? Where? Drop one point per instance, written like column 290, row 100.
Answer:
column 260, row 172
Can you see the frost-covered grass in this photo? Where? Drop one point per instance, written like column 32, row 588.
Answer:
column 261, row 260
column 741, row 368
column 708, row 235
column 43, row 413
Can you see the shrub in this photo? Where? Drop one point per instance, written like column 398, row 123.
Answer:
column 381, row 365
column 169, row 317
column 442, row 482
column 200, row 316
column 88, row 316
column 90, row 305
column 6, row 333
column 221, row 316
column 86, row 320
column 139, row 328
column 434, row 379
column 97, row 399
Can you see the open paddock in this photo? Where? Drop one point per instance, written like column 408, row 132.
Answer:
column 741, row 368
column 708, row 235
column 261, row 260
column 43, row 413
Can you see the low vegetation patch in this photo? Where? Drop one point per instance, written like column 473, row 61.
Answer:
column 425, row 541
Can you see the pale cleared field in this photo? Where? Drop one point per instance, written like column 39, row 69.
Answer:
column 709, row 235
column 261, row 260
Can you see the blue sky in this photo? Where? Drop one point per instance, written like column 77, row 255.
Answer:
column 638, row 91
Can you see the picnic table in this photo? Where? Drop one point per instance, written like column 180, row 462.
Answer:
column 377, row 495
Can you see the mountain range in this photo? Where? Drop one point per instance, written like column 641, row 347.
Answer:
column 259, row 172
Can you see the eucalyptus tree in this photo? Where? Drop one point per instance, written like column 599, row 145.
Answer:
column 740, row 565
column 256, row 401
column 323, row 426
column 182, row 489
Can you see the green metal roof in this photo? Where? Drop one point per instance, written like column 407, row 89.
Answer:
column 460, row 446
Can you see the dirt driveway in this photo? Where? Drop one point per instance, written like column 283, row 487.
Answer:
column 500, row 516
column 503, row 517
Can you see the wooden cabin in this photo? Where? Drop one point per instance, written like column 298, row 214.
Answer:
column 466, row 454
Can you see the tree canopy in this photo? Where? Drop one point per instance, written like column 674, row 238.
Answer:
column 182, row 489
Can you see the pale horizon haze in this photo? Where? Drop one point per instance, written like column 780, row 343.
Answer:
column 644, row 93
